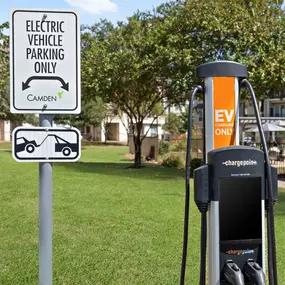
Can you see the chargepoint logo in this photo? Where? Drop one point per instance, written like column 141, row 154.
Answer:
column 240, row 251
column 239, row 163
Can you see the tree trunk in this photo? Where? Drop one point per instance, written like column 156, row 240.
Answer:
column 138, row 145
column 105, row 133
column 128, row 138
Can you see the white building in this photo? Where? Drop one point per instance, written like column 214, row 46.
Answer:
column 5, row 131
column 271, row 110
column 119, row 127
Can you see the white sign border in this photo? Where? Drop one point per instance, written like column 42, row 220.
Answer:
column 46, row 129
column 14, row 110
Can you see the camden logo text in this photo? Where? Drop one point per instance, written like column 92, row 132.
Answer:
column 239, row 163
column 239, row 251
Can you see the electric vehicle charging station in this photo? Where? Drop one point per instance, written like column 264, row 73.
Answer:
column 235, row 190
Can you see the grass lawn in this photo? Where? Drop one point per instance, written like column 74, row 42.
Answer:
column 111, row 225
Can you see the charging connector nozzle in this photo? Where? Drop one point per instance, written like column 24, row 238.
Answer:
column 233, row 273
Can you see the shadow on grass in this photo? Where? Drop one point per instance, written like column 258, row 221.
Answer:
column 126, row 159
column 123, row 169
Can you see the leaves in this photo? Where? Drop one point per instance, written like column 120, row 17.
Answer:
column 173, row 124
column 4, row 82
column 4, row 68
column 249, row 32
column 150, row 60
column 92, row 113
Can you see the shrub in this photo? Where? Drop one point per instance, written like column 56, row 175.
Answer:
column 164, row 147
column 181, row 145
column 178, row 146
column 172, row 161
column 195, row 163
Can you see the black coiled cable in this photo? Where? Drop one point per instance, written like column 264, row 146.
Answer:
column 272, row 264
column 187, row 183
column 203, row 248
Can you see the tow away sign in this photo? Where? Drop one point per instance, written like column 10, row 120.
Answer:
column 44, row 61
column 40, row 144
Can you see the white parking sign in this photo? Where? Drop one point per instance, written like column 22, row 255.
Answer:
column 45, row 62
column 40, row 144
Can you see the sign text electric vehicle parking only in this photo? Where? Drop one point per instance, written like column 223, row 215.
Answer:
column 45, row 62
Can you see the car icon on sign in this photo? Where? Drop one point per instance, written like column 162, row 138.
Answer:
column 22, row 144
column 64, row 146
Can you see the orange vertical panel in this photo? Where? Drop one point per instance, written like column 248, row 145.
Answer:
column 224, row 111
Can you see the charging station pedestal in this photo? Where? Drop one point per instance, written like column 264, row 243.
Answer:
column 221, row 128
column 236, row 188
column 234, row 179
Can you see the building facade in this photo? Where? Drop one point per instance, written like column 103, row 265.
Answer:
column 119, row 129
column 272, row 110
column 5, row 131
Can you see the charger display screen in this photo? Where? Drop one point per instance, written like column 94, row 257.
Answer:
column 240, row 208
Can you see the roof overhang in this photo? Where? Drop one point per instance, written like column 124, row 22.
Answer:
column 252, row 120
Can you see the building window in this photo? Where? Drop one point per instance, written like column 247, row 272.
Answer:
column 282, row 111
column 153, row 131
column 88, row 129
column 200, row 114
column 277, row 110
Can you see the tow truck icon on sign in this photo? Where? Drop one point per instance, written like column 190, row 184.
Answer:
column 46, row 144
column 61, row 145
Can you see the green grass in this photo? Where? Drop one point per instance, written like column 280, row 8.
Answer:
column 111, row 225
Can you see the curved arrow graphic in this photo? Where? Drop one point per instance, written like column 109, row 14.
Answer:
column 25, row 85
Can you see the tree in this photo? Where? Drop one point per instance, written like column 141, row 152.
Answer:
column 247, row 31
column 153, row 56
column 4, row 83
column 4, row 67
column 126, row 68
column 93, row 107
column 92, row 113
column 31, row 119
column 173, row 124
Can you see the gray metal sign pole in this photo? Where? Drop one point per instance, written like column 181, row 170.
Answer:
column 45, row 215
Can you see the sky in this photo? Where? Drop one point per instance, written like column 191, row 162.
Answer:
column 90, row 10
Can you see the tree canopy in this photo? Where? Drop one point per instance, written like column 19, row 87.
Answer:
column 148, row 62
column 93, row 111
column 4, row 68
column 4, row 82
column 124, row 67
column 173, row 124
column 248, row 32
column 150, row 59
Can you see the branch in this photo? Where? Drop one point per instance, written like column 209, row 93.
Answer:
column 121, row 118
column 154, row 120
column 124, row 106
column 151, row 106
